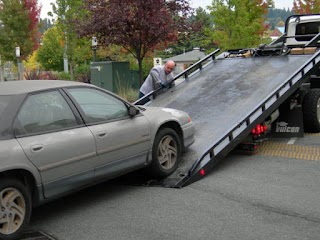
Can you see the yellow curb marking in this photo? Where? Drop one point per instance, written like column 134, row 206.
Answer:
column 289, row 151
column 312, row 134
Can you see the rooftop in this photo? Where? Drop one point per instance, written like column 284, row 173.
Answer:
column 191, row 56
column 25, row 86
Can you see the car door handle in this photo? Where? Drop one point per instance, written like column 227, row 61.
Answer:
column 36, row 148
column 101, row 134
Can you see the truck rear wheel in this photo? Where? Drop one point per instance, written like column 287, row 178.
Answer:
column 311, row 111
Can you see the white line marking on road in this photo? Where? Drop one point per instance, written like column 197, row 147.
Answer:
column 292, row 140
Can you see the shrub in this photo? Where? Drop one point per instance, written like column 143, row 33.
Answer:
column 48, row 75
column 82, row 73
column 63, row 76
column 33, row 75
column 129, row 94
column 39, row 75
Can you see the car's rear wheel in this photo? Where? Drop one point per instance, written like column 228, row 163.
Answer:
column 16, row 208
column 166, row 153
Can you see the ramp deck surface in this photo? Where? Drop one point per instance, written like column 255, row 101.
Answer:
column 221, row 95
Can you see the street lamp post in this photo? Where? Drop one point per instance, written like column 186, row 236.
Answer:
column 65, row 54
column 1, row 70
column 94, row 48
column 18, row 63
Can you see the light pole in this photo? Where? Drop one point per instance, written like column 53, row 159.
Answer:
column 94, row 48
column 1, row 71
column 18, row 64
column 65, row 54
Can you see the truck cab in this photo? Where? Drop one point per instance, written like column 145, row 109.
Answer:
column 301, row 29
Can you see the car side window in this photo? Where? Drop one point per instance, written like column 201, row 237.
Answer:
column 43, row 112
column 99, row 106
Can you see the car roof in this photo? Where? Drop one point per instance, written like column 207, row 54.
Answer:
column 26, row 86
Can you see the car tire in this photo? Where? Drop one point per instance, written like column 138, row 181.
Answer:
column 311, row 111
column 166, row 153
column 15, row 203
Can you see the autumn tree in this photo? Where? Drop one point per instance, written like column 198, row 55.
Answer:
column 306, row 6
column 76, row 50
column 31, row 6
column 138, row 26
column 18, row 27
column 238, row 23
column 31, row 64
column 50, row 53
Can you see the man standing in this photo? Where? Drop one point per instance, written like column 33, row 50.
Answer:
column 159, row 76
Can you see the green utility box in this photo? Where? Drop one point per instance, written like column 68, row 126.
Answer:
column 113, row 76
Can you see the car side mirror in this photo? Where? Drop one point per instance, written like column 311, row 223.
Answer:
column 133, row 111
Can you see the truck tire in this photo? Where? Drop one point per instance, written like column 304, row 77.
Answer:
column 15, row 202
column 311, row 111
column 166, row 152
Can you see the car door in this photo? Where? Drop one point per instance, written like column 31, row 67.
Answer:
column 122, row 141
column 56, row 142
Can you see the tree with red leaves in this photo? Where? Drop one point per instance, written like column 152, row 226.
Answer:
column 18, row 27
column 138, row 26
column 306, row 6
column 33, row 10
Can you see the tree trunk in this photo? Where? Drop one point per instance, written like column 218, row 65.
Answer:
column 71, row 71
column 140, row 71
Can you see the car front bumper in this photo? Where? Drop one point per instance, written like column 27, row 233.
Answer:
column 188, row 131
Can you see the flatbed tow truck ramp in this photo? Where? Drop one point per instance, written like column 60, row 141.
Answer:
column 226, row 98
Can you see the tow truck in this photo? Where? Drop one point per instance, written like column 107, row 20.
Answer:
column 237, row 97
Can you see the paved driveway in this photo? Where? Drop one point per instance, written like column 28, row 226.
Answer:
column 263, row 196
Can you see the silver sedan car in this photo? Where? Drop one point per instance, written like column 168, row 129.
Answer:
column 60, row 136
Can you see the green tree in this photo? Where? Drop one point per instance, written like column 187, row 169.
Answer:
column 306, row 6
column 195, row 35
column 238, row 23
column 18, row 27
column 278, row 15
column 203, row 21
column 50, row 53
column 76, row 50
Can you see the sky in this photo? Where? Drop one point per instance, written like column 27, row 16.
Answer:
column 278, row 3
column 46, row 7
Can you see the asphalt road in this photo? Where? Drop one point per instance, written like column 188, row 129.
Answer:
column 244, row 197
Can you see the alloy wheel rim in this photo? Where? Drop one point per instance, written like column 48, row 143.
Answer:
column 13, row 210
column 167, row 152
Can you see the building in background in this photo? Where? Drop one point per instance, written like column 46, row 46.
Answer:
column 184, row 60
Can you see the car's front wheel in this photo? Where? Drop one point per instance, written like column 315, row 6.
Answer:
column 166, row 153
column 15, row 205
